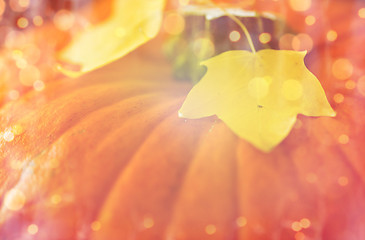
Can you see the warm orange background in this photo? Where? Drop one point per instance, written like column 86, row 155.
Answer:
column 106, row 156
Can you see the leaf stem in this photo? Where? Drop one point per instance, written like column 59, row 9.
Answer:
column 243, row 27
column 239, row 23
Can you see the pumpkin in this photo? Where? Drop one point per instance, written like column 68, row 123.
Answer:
column 106, row 156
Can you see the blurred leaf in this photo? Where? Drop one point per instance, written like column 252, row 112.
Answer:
column 257, row 95
column 132, row 23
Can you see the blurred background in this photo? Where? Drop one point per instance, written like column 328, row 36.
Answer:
column 311, row 187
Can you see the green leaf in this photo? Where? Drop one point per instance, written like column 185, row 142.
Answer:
column 257, row 95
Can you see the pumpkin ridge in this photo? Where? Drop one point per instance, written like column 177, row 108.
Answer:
column 44, row 152
column 248, row 158
column 129, row 158
column 36, row 155
column 21, row 114
column 142, row 113
column 69, row 118
column 200, row 169
column 137, row 158
column 349, row 156
column 349, row 151
column 346, row 159
column 291, row 177
column 45, row 155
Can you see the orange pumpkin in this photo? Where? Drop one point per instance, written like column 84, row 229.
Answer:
column 106, row 157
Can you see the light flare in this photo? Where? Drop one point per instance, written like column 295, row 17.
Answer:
column 292, row 90
column 32, row 229
column 174, row 23
column 350, row 84
column 13, row 95
column 259, row 87
column 338, row 98
column 148, row 222
column 310, row 20
column 305, row 223
column 64, row 20
column 22, row 22
column 302, row 42
column 265, row 38
column 361, row 12
column 300, row 5
column 38, row 85
column 296, row 226
column 241, row 221
column 343, row 139
column 342, row 69
column 38, row 21
column 95, row 226
column 14, row 200
column 56, row 199
column 8, row 136
column 234, row 36
column 210, row 229
column 343, row 181
column 331, row 35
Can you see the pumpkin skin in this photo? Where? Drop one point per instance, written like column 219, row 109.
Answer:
column 112, row 146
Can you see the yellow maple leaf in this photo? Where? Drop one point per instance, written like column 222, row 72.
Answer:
column 132, row 23
column 258, row 95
